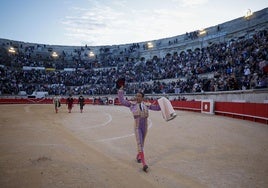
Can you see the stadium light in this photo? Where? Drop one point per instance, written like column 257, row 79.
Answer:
column 248, row 14
column 150, row 45
column 91, row 54
column 12, row 50
column 54, row 54
column 202, row 33
column 247, row 17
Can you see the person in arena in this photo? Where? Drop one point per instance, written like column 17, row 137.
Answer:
column 56, row 102
column 81, row 102
column 69, row 103
column 140, row 113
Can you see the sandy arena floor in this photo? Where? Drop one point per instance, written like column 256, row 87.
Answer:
column 39, row 148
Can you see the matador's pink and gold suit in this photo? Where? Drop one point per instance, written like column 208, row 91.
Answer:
column 140, row 114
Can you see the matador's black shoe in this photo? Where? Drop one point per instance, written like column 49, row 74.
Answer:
column 145, row 168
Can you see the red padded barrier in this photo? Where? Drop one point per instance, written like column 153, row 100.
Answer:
column 249, row 111
column 187, row 105
column 262, row 110
column 26, row 101
column 38, row 101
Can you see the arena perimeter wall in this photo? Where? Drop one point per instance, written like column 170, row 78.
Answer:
column 257, row 112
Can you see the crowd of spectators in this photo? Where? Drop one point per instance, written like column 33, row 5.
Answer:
column 232, row 65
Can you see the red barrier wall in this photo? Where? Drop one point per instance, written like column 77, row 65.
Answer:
column 26, row 101
column 38, row 101
column 257, row 112
column 249, row 111
column 187, row 105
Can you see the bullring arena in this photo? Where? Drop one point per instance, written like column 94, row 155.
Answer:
column 96, row 148
column 216, row 79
